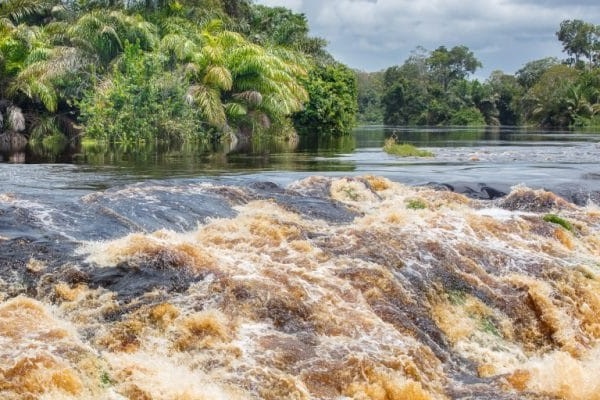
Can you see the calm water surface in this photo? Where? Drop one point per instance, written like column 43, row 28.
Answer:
column 504, row 157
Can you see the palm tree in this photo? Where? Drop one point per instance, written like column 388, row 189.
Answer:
column 102, row 35
column 235, row 80
column 17, row 10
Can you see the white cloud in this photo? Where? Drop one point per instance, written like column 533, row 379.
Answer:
column 503, row 34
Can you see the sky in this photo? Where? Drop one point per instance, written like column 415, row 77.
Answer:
column 372, row 35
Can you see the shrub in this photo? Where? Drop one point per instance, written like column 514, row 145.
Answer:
column 140, row 101
column 404, row 150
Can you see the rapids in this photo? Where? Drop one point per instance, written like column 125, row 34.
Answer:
column 323, row 287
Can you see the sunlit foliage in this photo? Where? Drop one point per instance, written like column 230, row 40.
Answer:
column 157, row 70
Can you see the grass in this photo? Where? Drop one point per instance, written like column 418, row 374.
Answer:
column 555, row 219
column 415, row 204
column 404, row 150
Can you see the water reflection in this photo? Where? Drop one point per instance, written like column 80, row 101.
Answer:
column 162, row 159
column 374, row 136
column 12, row 147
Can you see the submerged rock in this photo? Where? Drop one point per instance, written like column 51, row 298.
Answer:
column 454, row 298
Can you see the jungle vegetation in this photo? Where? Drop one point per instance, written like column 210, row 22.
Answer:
column 162, row 70
column 436, row 88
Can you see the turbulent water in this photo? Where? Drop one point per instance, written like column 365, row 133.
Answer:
column 472, row 275
column 323, row 288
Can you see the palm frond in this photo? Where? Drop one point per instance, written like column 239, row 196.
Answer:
column 37, row 89
column 105, row 34
column 235, row 110
column 6, row 25
column 39, row 54
column 178, row 26
column 56, row 32
column 208, row 101
column 218, row 76
column 46, row 125
column 213, row 54
column 35, row 80
column 17, row 10
column 178, row 45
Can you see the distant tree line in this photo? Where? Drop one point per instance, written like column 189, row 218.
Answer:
column 136, row 70
column 433, row 87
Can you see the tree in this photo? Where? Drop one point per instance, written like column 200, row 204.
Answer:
column 332, row 108
column 67, row 59
column 505, row 92
column 280, row 26
column 456, row 63
column 533, row 70
column 370, row 91
column 407, row 91
column 546, row 103
column 141, row 101
column 579, row 39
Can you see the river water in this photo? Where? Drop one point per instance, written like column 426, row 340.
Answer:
column 306, row 271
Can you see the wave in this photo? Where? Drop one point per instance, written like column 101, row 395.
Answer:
column 329, row 288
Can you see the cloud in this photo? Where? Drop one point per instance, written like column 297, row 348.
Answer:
column 503, row 34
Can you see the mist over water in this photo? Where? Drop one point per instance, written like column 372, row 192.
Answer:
column 331, row 272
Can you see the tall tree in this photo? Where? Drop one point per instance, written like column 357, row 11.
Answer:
column 331, row 110
column 580, row 39
column 370, row 91
column 448, row 65
column 505, row 92
column 547, row 102
column 531, row 72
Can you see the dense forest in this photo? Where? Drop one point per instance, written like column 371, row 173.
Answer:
column 153, row 70
column 434, row 87
column 210, row 70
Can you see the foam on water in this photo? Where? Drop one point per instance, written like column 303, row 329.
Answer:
column 424, row 294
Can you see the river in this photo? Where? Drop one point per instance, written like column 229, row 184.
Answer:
column 326, row 270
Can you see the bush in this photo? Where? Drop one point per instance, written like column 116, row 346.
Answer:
column 467, row 117
column 332, row 108
column 139, row 101
column 404, row 150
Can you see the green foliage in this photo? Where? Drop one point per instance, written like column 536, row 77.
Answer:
column 431, row 88
column 531, row 72
column 546, row 102
column 499, row 99
column 449, row 65
column 580, row 39
column 162, row 69
column 369, row 92
column 416, row 204
column 280, row 26
column 332, row 108
column 139, row 101
column 470, row 116
column 404, row 150
column 555, row 219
